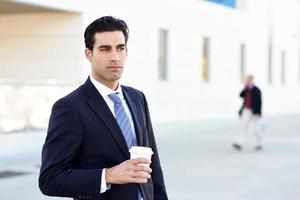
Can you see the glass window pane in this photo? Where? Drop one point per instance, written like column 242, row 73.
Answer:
column 242, row 62
column 283, row 67
column 205, row 59
column 270, row 57
column 163, row 55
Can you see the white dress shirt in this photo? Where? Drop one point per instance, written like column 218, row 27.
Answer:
column 105, row 91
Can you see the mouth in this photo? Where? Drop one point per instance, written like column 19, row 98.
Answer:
column 115, row 68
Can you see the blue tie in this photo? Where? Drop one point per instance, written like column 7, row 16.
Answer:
column 124, row 124
column 123, row 120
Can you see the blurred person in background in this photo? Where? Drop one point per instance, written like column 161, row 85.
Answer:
column 250, row 114
column 86, row 152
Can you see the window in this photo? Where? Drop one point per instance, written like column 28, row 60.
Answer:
column 270, row 70
column 283, row 67
column 163, row 55
column 205, row 59
column 242, row 62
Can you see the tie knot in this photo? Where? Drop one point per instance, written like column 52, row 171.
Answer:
column 115, row 98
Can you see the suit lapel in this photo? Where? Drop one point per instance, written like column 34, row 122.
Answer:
column 135, row 113
column 99, row 106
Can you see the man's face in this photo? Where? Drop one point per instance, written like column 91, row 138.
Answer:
column 249, row 81
column 108, row 57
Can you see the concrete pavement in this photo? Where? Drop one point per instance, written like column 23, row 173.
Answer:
column 198, row 161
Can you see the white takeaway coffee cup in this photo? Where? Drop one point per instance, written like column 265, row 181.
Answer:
column 141, row 152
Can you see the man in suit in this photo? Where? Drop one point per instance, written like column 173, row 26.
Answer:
column 86, row 151
column 250, row 113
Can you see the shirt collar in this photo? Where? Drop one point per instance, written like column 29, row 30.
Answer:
column 104, row 90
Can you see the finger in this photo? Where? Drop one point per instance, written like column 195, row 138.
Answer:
column 141, row 175
column 139, row 180
column 143, row 168
column 140, row 161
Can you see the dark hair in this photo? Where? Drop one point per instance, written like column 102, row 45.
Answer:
column 104, row 24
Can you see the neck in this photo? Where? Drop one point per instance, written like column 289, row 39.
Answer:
column 113, row 85
column 250, row 86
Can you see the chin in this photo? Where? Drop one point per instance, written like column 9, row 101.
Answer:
column 115, row 78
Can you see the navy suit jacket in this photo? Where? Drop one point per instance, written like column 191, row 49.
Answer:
column 256, row 99
column 84, row 137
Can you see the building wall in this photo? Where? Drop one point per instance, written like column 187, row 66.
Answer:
column 38, row 48
column 40, row 60
column 185, row 95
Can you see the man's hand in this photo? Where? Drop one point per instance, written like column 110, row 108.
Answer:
column 129, row 171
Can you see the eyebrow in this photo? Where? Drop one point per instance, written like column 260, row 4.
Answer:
column 109, row 46
column 121, row 45
column 104, row 47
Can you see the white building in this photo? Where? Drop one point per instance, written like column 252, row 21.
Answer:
column 188, row 56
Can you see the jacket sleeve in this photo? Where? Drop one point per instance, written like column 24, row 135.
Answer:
column 243, row 93
column 58, row 177
column 160, row 192
column 257, row 99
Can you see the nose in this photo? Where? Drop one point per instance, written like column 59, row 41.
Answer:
column 114, row 56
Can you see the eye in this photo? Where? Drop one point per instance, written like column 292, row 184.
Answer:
column 121, row 48
column 104, row 49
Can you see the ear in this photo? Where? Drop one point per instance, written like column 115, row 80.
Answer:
column 88, row 54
